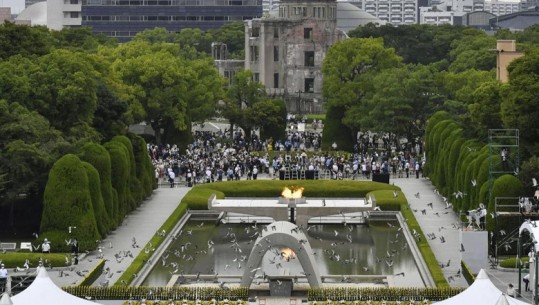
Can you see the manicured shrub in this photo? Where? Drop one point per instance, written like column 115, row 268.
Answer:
column 144, row 166
column 99, row 157
column 17, row 259
column 67, row 202
column 134, row 192
column 504, row 186
column 120, row 171
column 94, row 184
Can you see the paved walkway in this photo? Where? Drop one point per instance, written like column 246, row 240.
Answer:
column 144, row 222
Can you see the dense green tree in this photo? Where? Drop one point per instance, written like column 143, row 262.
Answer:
column 66, row 83
column 400, row 102
column 269, row 115
column 242, row 95
column 418, row 44
column 484, row 109
column 475, row 50
column 23, row 40
column 155, row 35
column 94, row 185
column 233, row 34
column 79, row 38
column 519, row 107
column 349, row 69
column 119, row 158
column 99, row 157
column 68, row 202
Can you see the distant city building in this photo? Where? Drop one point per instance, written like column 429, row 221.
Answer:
column 5, row 14
column 123, row 19
column 516, row 21
column 506, row 52
column 500, row 7
column 285, row 53
column 480, row 20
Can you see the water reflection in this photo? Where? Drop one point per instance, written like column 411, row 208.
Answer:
column 377, row 249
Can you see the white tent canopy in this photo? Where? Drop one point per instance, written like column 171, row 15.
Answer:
column 43, row 291
column 481, row 292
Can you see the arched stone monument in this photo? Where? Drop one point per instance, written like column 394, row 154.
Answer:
column 283, row 234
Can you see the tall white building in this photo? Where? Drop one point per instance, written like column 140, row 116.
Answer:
column 396, row 12
column 500, row 7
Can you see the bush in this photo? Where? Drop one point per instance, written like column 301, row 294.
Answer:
column 504, row 186
column 134, row 192
column 67, row 202
column 512, row 262
column 93, row 275
column 380, row 294
column 162, row 293
column 17, row 259
column 467, row 273
column 99, row 157
column 144, row 166
column 120, row 171
column 94, row 184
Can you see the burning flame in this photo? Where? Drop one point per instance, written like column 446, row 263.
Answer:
column 292, row 194
column 287, row 254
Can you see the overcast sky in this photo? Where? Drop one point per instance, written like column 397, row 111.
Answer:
column 16, row 5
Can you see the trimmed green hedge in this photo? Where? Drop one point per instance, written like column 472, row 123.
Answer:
column 93, row 275
column 68, row 202
column 162, row 293
column 94, row 184
column 380, row 294
column 99, row 157
column 512, row 262
column 17, row 259
column 467, row 273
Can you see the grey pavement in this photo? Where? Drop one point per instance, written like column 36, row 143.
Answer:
column 141, row 224
column 144, row 222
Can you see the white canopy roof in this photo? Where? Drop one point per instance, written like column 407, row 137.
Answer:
column 481, row 292
column 43, row 291
column 531, row 227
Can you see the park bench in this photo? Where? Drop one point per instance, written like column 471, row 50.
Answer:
column 8, row 246
column 26, row 246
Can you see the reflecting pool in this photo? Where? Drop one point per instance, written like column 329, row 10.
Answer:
column 340, row 250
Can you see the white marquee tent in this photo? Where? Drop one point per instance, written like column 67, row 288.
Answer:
column 43, row 291
column 482, row 292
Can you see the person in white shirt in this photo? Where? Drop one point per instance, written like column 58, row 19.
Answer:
column 255, row 172
column 3, row 272
column 46, row 246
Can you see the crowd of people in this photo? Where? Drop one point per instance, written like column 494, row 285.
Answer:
column 218, row 156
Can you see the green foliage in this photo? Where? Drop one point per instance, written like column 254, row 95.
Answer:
column 503, row 186
column 134, row 194
column 93, row 274
column 163, row 293
column 519, row 106
column 336, row 131
column 22, row 40
column 99, row 157
column 144, row 166
column 94, row 184
column 512, row 262
column 467, row 273
column 270, row 116
column 17, row 259
column 119, row 157
column 381, row 294
column 68, row 202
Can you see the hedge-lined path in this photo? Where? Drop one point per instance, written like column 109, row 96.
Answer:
column 439, row 220
column 431, row 223
column 142, row 224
